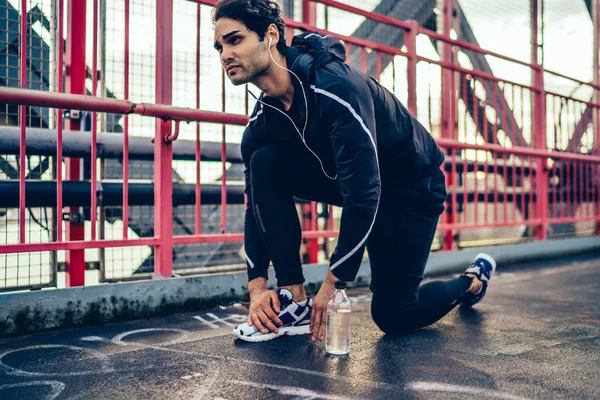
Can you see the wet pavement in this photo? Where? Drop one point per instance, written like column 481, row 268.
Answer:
column 535, row 336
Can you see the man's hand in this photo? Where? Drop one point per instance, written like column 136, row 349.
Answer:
column 318, row 319
column 262, row 312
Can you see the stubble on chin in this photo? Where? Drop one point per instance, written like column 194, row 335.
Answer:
column 249, row 76
column 240, row 78
column 237, row 82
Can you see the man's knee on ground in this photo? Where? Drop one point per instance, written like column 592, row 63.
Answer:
column 393, row 317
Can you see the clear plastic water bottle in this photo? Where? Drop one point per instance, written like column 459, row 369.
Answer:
column 338, row 321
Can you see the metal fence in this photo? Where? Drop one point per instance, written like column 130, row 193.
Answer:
column 520, row 139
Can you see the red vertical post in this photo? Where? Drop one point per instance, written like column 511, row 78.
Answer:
column 223, row 160
column 311, row 245
column 125, row 206
column 411, row 48
column 94, row 125
column 595, row 114
column 75, row 84
column 539, row 129
column 448, row 126
column 313, row 253
column 198, row 206
column 23, row 123
column 59, row 122
column 163, row 152
column 487, row 171
column 363, row 59
column 541, row 206
column 309, row 16
column 309, row 13
column 447, row 75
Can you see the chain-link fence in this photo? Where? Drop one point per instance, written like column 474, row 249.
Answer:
column 36, row 269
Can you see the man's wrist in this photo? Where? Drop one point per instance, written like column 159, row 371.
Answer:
column 255, row 284
column 331, row 278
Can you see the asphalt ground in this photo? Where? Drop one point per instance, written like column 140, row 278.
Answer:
column 536, row 335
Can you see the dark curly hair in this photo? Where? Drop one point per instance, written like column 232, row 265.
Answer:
column 257, row 15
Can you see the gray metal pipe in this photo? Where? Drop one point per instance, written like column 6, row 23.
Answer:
column 77, row 194
column 109, row 146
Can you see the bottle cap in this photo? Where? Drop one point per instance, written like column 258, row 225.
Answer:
column 340, row 285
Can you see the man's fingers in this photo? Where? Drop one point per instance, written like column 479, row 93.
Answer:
column 323, row 326
column 267, row 322
column 275, row 301
column 249, row 319
column 317, row 313
column 257, row 322
column 273, row 317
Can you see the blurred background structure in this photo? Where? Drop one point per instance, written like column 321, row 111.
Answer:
column 509, row 89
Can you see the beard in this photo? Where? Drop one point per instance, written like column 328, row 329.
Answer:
column 244, row 74
column 250, row 71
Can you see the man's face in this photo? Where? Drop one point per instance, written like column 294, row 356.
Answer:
column 243, row 55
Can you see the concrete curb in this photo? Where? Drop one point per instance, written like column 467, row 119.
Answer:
column 512, row 254
column 36, row 311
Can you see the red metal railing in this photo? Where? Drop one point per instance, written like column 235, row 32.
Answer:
column 500, row 170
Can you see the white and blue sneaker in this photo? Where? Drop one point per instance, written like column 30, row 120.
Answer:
column 483, row 266
column 295, row 318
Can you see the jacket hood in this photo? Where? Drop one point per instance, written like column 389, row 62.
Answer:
column 323, row 48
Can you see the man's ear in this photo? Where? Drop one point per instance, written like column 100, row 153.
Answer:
column 272, row 32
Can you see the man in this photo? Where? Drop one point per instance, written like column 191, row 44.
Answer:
column 323, row 131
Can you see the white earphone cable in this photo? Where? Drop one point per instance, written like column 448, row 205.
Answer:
column 288, row 117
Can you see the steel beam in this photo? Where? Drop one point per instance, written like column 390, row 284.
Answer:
column 423, row 13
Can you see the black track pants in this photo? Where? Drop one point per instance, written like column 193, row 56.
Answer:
column 398, row 246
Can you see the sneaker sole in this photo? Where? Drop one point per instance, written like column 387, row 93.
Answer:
column 290, row 331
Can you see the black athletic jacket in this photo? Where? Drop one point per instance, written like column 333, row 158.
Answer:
column 358, row 130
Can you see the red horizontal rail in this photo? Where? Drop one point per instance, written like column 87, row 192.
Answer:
column 103, row 104
column 64, row 100
column 349, row 39
column 473, row 47
column 590, row 84
column 537, row 221
column 561, row 220
column 476, row 73
column 403, row 25
column 238, row 237
column 562, row 96
column 432, row 34
column 218, row 238
column 76, row 245
column 458, row 225
column 369, row 14
column 189, row 114
column 319, row 234
column 522, row 151
column 100, row 244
